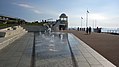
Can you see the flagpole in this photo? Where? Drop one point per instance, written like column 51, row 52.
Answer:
column 81, row 22
column 87, row 18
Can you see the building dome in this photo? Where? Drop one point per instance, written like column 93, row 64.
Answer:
column 63, row 15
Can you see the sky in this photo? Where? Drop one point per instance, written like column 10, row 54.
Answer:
column 102, row 13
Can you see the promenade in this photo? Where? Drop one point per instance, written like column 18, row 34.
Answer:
column 55, row 49
column 105, row 44
column 18, row 53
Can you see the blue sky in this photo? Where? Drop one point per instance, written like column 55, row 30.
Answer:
column 102, row 13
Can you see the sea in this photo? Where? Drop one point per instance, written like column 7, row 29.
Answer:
column 110, row 30
column 106, row 30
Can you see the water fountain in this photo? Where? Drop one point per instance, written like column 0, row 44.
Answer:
column 52, row 38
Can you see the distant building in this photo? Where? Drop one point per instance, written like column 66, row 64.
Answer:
column 11, row 20
column 61, row 23
column 3, row 19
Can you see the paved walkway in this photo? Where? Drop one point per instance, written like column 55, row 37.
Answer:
column 51, row 50
column 105, row 44
column 17, row 54
column 85, row 55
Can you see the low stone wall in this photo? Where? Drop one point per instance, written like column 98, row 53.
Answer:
column 34, row 28
column 13, row 35
column 10, row 31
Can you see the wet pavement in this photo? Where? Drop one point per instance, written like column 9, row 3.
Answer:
column 52, row 50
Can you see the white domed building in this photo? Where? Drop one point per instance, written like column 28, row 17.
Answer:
column 61, row 23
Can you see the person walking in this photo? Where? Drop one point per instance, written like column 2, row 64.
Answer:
column 89, row 30
column 78, row 28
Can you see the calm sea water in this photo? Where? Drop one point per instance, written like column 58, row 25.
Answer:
column 113, row 30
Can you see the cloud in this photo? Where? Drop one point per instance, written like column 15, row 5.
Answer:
column 24, row 5
column 32, row 8
column 98, row 16
column 37, row 11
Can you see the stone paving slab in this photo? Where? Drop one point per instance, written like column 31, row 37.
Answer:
column 87, row 57
column 18, row 53
column 4, row 41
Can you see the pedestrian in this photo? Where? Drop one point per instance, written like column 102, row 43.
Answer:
column 78, row 28
column 89, row 30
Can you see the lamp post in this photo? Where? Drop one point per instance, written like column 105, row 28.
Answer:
column 81, row 21
column 95, row 23
column 87, row 18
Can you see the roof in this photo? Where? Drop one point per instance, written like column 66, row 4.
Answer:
column 63, row 16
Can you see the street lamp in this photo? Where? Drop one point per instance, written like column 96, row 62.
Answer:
column 81, row 21
column 87, row 18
